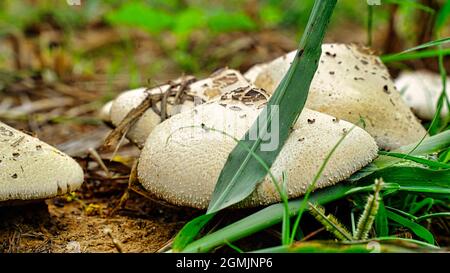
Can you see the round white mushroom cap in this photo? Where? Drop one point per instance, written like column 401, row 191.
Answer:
column 351, row 83
column 182, row 158
column 31, row 169
column 200, row 91
column 421, row 90
column 105, row 112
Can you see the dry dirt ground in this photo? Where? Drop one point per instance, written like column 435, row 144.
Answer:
column 59, row 226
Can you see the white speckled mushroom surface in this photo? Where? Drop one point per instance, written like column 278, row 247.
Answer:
column 105, row 112
column 31, row 169
column 181, row 161
column 351, row 83
column 421, row 90
column 204, row 90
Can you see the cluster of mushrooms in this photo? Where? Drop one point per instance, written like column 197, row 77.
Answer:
column 182, row 157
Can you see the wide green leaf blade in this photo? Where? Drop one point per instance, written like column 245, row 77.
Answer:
column 419, row 230
column 189, row 231
column 443, row 16
column 429, row 145
column 242, row 171
column 381, row 222
column 423, row 161
column 416, row 179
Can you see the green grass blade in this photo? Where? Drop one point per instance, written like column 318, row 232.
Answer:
column 434, row 43
column 189, row 231
column 242, row 172
column 381, row 221
column 433, row 144
column 430, row 145
column 414, row 55
column 423, row 161
column 433, row 215
column 445, row 156
column 415, row 179
column 443, row 16
column 412, row 4
column 419, row 230
column 369, row 24
column 436, row 124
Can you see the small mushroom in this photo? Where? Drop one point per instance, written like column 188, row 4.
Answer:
column 183, row 157
column 105, row 112
column 31, row 169
column 196, row 93
column 351, row 83
column 421, row 90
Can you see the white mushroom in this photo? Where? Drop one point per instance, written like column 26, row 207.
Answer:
column 182, row 158
column 421, row 90
column 105, row 112
column 198, row 92
column 31, row 169
column 351, row 83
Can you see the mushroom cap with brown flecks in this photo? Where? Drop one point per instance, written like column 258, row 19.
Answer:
column 352, row 83
column 31, row 169
column 183, row 157
column 196, row 93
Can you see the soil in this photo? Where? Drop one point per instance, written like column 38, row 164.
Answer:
column 56, row 226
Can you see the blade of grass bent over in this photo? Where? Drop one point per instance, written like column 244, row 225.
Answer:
column 242, row 172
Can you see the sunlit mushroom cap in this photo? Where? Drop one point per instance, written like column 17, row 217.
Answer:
column 421, row 90
column 31, row 169
column 105, row 112
column 183, row 157
column 351, row 83
column 197, row 93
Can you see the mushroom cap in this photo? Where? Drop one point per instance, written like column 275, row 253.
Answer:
column 421, row 90
column 105, row 112
column 32, row 169
column 181, row 161
column 204, row 90
column 252, row 74
column 351, row 83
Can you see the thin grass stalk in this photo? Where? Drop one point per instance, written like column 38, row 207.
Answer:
column 369, row 24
